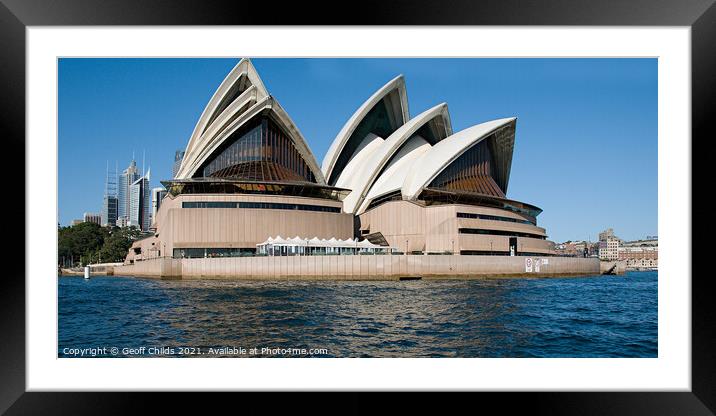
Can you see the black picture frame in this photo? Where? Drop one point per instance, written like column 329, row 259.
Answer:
column 16, row 15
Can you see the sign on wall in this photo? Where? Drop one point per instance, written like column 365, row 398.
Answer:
column 534, row 265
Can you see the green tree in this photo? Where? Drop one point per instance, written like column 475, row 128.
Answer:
column 79, row 241
column 117, row 243
column 89, row 243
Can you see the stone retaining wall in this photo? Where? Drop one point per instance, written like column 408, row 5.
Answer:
column 379, row 267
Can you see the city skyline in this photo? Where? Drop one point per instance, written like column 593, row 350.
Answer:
column 587, row 155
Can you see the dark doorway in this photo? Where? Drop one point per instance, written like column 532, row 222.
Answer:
column 513, row 246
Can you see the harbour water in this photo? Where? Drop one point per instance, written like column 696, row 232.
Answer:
column 598, row 316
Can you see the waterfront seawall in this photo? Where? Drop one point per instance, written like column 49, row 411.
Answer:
column 382, row 267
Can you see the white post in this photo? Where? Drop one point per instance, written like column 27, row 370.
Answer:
column 87, row 272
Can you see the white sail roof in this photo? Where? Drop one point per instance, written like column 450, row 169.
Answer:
column 350, row 177
column 435, row 160
column 397, row 84
column 240, row 97
column 240, row 78
column 392, row 178
column 372, row 165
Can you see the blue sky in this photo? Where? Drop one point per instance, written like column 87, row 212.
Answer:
column 585, row 150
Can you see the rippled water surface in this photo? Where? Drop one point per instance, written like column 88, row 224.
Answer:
column 600, row 316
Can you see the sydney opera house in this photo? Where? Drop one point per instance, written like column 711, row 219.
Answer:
column 409, row 183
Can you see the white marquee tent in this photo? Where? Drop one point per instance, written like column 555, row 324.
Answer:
column 298, row 246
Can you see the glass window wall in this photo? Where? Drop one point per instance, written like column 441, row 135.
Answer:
column 259, row 152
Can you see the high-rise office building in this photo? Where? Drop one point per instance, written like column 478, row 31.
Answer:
column 110, row 202
column 178, row 157
column 109, row 210
column 140, row 208
column 126, row 179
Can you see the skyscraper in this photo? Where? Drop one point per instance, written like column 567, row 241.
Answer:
column 178, row 157
column 126, row 179
column 140, row 208
column 109, row 210
column 109, row 202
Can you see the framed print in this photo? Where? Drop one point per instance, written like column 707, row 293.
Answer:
column 466, row 198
